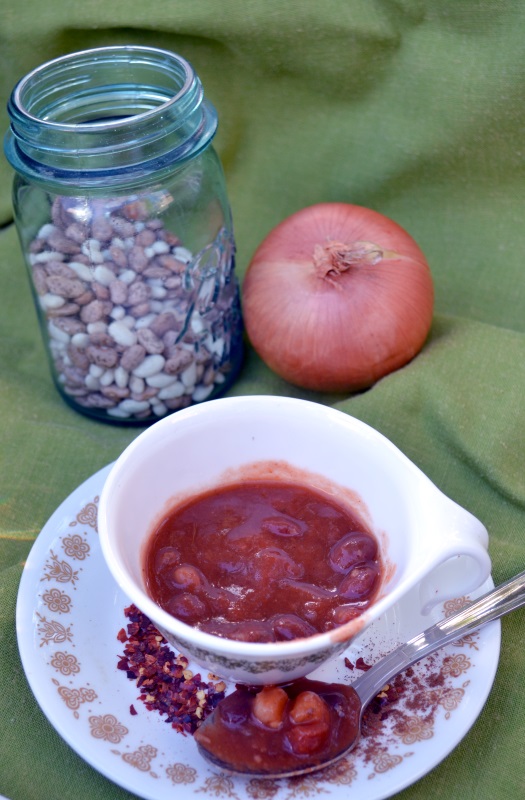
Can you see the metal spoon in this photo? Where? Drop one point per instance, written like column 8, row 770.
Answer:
column 491, row 606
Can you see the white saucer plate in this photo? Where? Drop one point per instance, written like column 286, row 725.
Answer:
column 69, row 612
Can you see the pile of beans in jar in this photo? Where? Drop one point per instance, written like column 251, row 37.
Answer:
column 133, row 333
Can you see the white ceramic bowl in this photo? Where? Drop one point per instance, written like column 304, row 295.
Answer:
column 425, row 537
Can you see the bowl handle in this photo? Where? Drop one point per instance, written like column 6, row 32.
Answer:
column 459, row 561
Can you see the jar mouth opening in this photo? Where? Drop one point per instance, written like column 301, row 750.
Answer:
column 105, row 112
column 80, row 102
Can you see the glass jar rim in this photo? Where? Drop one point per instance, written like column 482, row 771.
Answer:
column 107, row 114
column 110, row 50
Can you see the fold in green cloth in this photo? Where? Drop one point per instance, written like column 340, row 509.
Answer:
column 411, row 107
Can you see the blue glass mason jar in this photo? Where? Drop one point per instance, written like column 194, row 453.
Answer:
column 123, row 218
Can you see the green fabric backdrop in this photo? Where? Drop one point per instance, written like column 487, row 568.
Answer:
column 415, row 108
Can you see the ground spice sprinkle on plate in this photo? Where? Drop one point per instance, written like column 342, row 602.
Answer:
column 166, row 684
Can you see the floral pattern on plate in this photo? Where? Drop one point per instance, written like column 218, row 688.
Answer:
column 69, row 612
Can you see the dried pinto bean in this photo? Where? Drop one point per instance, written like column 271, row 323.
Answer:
column 116, row 273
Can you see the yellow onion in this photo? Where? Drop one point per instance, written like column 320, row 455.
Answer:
column 336, row 297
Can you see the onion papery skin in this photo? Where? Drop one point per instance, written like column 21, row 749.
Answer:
column 330, row 330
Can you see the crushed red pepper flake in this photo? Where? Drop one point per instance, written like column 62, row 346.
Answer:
column 359, row 664
column 166, row 684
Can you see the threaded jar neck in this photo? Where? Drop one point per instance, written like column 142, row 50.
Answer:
column 106, row 115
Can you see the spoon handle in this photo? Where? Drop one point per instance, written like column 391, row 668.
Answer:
column 491, row 606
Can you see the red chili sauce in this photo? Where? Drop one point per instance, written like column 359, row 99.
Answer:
column 278, row 729
column 263, row 561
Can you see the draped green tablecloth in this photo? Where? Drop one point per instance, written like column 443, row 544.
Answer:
column 415, row 108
